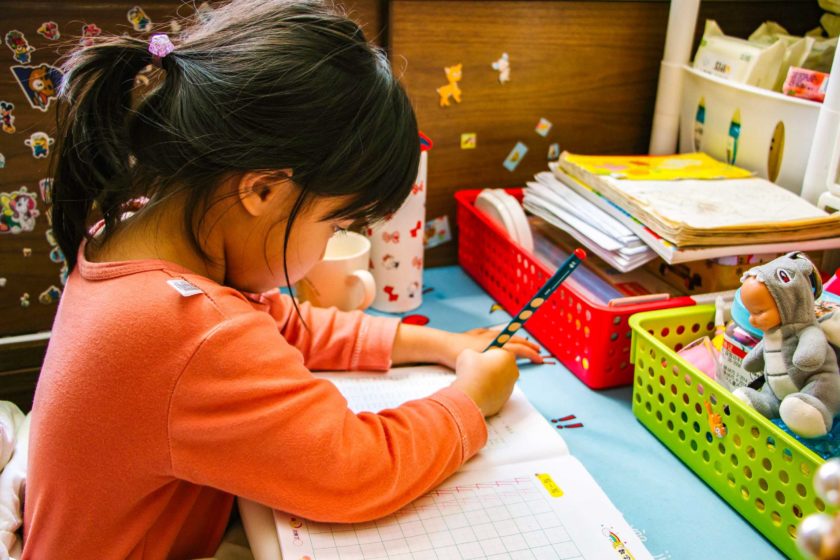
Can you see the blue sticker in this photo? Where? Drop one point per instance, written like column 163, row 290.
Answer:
column 515, row 156
column 39, row 83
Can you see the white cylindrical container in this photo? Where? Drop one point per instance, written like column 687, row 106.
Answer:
column 397, row 245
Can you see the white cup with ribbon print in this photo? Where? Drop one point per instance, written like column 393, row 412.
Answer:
column 397, row 246
column 342, row 278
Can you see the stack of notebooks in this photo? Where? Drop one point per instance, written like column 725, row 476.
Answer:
column 604, row 235
column 684, row 208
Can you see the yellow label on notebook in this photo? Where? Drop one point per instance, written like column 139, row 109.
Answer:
column 658, row 168
column 549, row 484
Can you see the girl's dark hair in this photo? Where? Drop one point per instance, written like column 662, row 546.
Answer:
column 255, row 85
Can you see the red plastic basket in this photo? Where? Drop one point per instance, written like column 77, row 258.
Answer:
column 592, row 340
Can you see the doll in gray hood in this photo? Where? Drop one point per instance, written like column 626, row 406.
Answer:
column 802, row 381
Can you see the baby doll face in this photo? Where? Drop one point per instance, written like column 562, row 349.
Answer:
column 764, row 314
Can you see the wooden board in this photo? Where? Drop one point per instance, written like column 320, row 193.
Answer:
column 588, row 67
column 35, row 274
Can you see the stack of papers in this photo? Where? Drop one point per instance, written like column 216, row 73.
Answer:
column 596, row 229
column 702, row 211
column 716, row 210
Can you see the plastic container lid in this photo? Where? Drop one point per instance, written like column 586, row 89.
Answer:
column 506, row 211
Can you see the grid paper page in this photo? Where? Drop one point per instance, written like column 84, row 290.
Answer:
column 498, row 513
column 517, row 433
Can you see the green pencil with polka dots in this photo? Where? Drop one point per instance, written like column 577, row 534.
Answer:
column 568, row 266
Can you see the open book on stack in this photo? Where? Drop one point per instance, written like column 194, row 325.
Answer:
column 712, row 210
column 523, row 495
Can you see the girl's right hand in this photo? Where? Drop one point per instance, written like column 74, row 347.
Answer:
column 487, row 378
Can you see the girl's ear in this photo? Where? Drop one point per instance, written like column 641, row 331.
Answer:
column 260, row 192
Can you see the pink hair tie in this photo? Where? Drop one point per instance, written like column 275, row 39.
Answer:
column 160, row 45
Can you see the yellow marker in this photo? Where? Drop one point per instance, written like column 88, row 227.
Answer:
column 549, row 484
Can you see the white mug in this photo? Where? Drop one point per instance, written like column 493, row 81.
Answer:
column 341, row 279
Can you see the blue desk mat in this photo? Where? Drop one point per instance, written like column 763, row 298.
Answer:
column 675, row 513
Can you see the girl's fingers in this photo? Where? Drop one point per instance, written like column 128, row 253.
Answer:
column 524, row 351
column 524, row 341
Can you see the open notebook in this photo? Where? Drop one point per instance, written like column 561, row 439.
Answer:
column 522, row 496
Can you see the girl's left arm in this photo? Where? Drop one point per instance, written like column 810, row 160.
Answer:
column 333, row 340
column 415, row 344
column 338, row 340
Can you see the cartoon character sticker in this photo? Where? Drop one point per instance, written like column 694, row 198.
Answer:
column 19, row 46
column 39, row 83
column 57, row 255
column 49, row 30
column 90, row 31
column 716, row 425
column 50, row 295
column 502, row 66
column 515, row 156
column 453, row 76
column 40, row 143
column 138, row 19
column 390, row 262
column 437, row 232
column 18, row 211
column 45, row 186
column 543, row 127
column 619, row 546
column 468, row 140
column 7, row 119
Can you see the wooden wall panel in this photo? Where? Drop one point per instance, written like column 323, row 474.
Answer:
column 588, row 67
column 21, row 361
column 36, row 273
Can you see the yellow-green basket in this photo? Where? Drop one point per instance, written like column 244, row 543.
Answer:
column 764, row 473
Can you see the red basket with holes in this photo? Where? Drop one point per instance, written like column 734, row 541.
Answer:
column 591, row 340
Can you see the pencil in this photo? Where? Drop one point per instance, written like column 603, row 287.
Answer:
column 568, row 266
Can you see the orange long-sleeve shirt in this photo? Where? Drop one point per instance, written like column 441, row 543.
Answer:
column 154, row 409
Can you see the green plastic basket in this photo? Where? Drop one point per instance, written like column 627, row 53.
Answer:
column 764, row 473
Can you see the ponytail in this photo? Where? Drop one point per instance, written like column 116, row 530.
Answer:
column 92, row 164
column 259, row 85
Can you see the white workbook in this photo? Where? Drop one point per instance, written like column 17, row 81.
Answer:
column 522, row 497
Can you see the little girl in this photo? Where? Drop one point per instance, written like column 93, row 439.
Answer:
column 177, row 376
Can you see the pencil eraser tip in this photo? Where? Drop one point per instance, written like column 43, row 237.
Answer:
column 580, row 253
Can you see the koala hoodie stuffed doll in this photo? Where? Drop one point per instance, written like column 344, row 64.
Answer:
column 802, row 381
